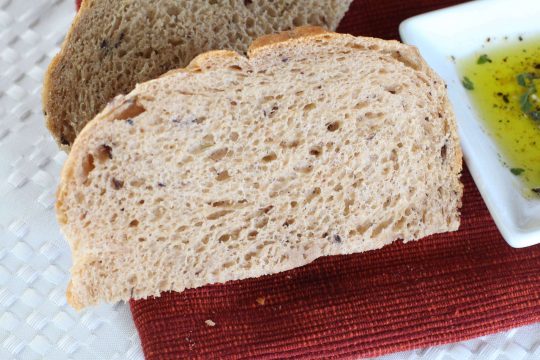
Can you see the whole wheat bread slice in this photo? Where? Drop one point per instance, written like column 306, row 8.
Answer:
column 113, row 45
column 317, row 144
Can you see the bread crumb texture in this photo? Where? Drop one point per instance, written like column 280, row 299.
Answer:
column 317, row 144
column 113, row 45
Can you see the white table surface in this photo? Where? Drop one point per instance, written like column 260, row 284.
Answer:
column 35, row 321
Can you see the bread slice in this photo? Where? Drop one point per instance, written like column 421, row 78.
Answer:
column 113, row 45
column 317, row 144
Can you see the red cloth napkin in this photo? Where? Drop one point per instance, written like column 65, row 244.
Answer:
column 441, row 289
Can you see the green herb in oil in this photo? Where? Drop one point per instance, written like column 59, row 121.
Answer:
column 483, row 59
column 527, row 102
column 467, row 83
column 517, row 171
column 505, row 77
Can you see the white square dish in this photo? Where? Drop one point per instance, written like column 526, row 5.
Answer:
column 458, row 32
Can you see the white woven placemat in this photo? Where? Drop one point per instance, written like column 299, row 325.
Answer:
column 35, row 321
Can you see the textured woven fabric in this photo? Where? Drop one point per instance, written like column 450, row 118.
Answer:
column 441, row 289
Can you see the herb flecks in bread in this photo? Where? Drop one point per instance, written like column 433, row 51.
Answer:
column 113, row 45
column 317, row 144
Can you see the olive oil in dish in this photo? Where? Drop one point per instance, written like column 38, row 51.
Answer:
column 503, row 82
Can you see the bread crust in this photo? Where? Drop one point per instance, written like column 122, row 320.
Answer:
column 49, row 94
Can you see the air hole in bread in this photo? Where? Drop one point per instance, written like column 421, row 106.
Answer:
column 333, row 126
column 129, row 111
column 394, row 89
column 309, row 107
column 399, row 225
column 224, row 238
column 348, row 203
column 79, row 197
column 223, row 175
column 315, row 150
column 218, row 214
column 358, row 183
column 234, row 136
column 304, row 168
column 248, row 257
column 357, row 46
column 104, row 153
column 361, row 229
column 443, row 153
column 387, row 203
column 222, row 203
column 266, row 209
column 298, row 21
column 288, row 222
column 360, row 105
column 404, row 60
column 261, row 223
column 270, row 157
column 312, row 194
column 291, row 144
column 372, row 115
column 87, row 166
column 219, row 154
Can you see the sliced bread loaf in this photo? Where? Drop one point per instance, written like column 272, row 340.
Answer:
column 113, row 45
column 317, row 144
